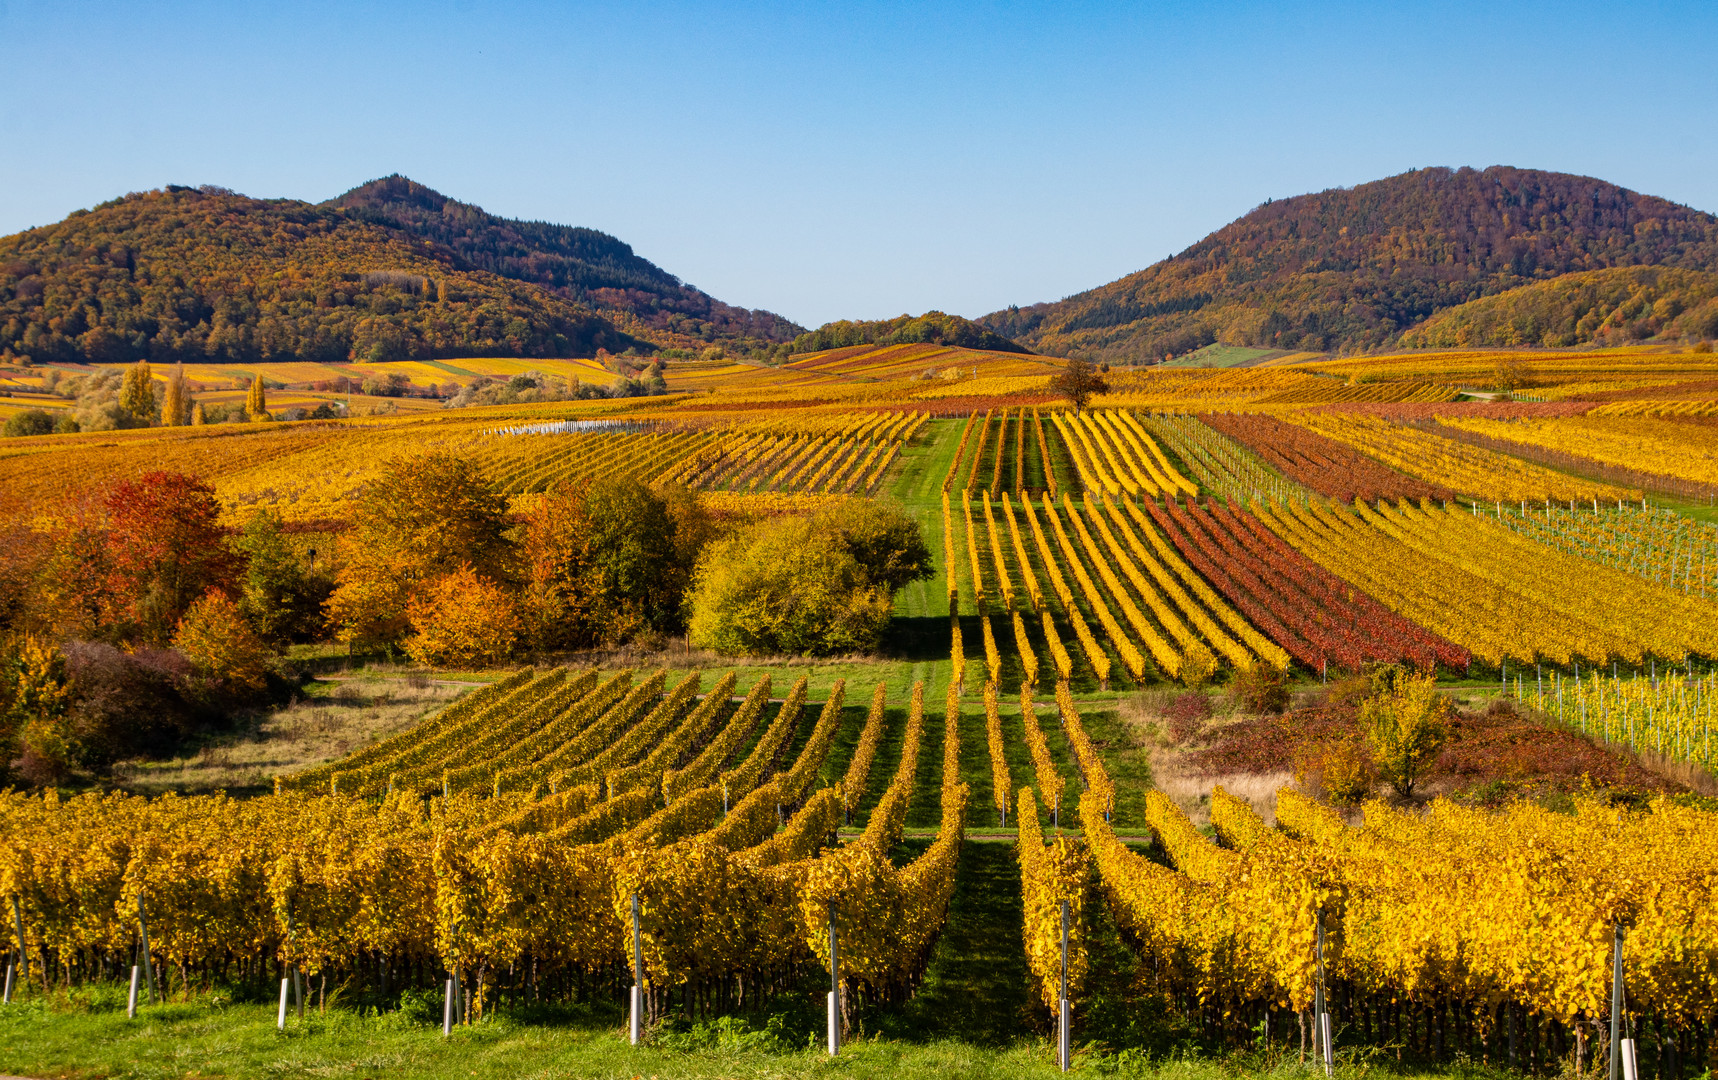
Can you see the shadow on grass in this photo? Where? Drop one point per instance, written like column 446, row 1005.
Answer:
column 976, row 988
column 920, row 638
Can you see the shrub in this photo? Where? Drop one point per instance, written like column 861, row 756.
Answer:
column 127, row 703
column 779, row 587
column 1348, row 692
column 463, row 620
column 1197, row 666
column 30, row 422
column 1341, row 771
column 1407, row 724
column 1187, row 715
column 219, row 644
column 818, row 585
column 1261, row 688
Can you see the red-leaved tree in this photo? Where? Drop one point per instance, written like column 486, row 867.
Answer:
column 165, row 549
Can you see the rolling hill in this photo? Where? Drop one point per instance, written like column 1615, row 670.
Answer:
column 1614, row 306
column 582, row 265
column 207, row 275
column 1353, row 268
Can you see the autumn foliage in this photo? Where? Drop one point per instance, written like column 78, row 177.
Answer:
column 164, row 548
column 426, row 516
column 462, row 620
column 220, row 645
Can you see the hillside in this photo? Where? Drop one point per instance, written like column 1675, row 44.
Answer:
column 582, row 265
column 1352, row 268
column 205, row 275
column 1598, row 306
column 933, row 327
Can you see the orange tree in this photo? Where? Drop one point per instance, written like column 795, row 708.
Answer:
column 164, row 550
column 220, row 645
column 462, row 620
column 610, row 561
column 425, row 517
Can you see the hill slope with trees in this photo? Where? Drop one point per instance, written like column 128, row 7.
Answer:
column 1606, row 307
column 582, row 265
column 934, row 327
column 207, row 275
column 1353, row 268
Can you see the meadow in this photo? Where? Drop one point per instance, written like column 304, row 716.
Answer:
column 1364, row 699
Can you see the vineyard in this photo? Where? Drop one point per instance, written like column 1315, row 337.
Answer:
column 1000, row 819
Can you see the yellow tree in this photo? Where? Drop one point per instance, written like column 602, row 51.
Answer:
column 422, row 519
column 176, row 405
column 1408, row 723
column 220, row 645
column 256, row 401
column 137, row 393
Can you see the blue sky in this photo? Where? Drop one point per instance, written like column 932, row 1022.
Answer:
column 828, row 161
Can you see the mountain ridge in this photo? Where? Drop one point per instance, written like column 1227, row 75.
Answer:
column 208, row 275
column 582, row 264
column 1351, row 269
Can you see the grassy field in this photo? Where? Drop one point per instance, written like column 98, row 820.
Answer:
column 1215, row 356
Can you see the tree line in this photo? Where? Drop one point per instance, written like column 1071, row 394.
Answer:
column 137, row 617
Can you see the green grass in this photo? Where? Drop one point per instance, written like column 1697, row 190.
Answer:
column 1221, row 356
column 976, row 1015
column 203, row 1039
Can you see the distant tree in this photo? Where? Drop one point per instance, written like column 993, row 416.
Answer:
column 198, row 417
column 165, row 549
column 423, row 518
column 1078, row 381
column 256, row 401
column 1509, row 375
column 137, row 394
column 30, row 422
column 176, row 405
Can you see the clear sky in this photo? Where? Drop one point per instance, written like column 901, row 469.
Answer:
column 850, row 161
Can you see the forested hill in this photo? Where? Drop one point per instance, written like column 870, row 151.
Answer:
column 1354, row 267
column 203, row 274
column 1607, row 307
column 932, row 326
column 581, row 264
